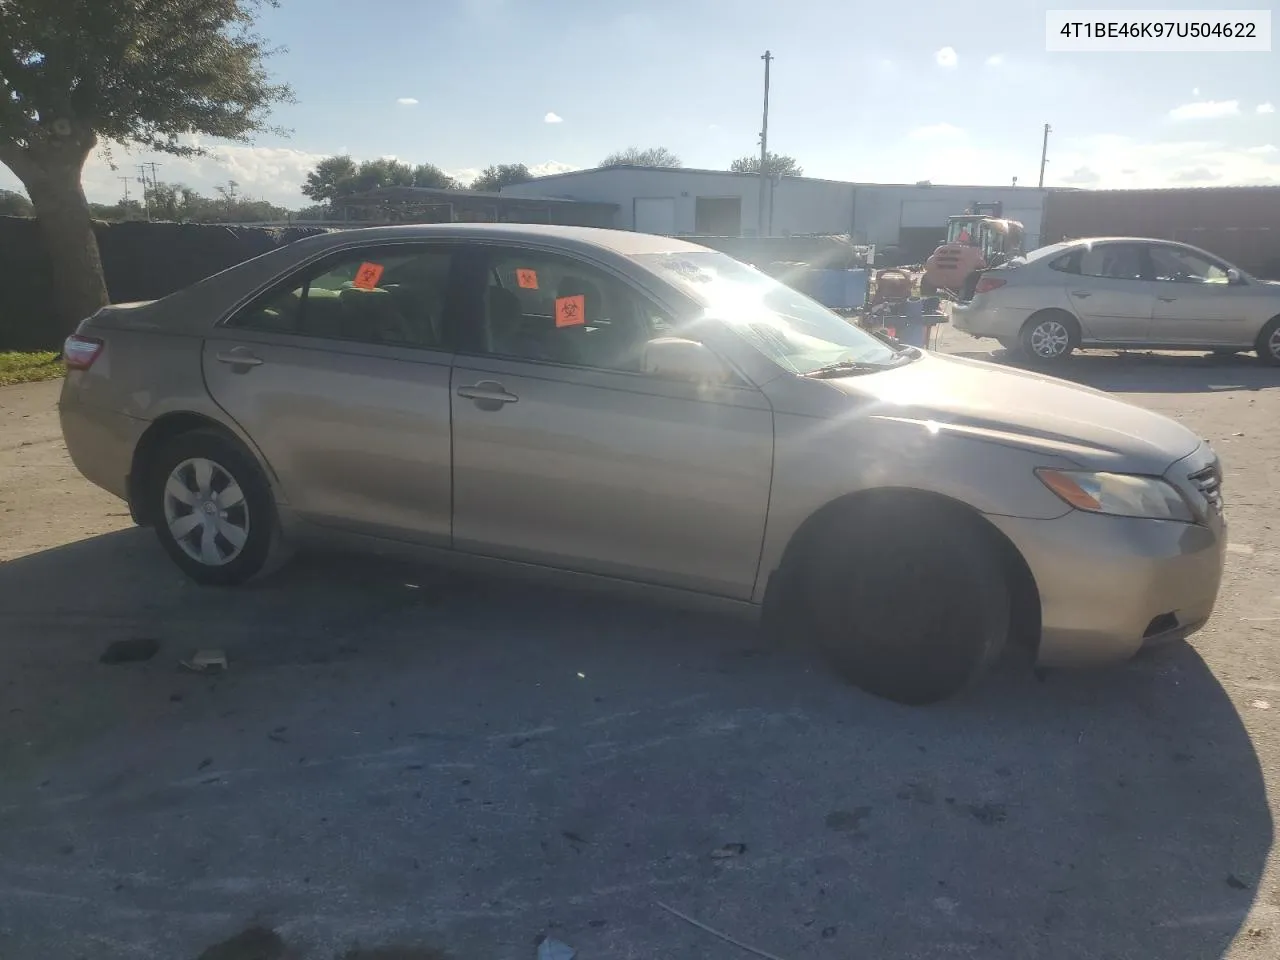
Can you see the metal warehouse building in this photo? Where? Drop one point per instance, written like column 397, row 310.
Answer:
column 684, row 202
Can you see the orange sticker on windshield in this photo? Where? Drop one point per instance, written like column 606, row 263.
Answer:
column 367, row 276
column 571, row 311
column 527, row 279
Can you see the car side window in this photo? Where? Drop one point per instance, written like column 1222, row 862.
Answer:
column 1174, row 265
column 553, row 308
column 386, row 295
column 1115, row 261
column 1066, row 263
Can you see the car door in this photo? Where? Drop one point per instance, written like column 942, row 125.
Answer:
column 1110, row 294
column 565, row 454
column 1196, row 304
column 340, row 375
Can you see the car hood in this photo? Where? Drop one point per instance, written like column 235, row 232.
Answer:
column 1020, row 408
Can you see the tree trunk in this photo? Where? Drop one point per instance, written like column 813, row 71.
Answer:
column 53, row 184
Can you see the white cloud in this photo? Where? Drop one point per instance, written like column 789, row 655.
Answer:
column 1266, row 108
column 1205, row 110
column 465, row 175
column 995, row 60
column 946, row 57
column 1195, row 91
column 1117, row 161
column 553, row 117
column 407, row 101
column 1263, row 150
column 550, row 167
column 936, row 131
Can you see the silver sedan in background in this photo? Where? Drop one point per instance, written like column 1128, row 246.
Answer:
column 1123, row 293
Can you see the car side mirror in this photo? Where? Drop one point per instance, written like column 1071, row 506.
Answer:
column 1234, row 276
column 680, row 359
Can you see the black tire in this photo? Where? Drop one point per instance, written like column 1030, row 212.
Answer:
column 262, row 550
column 1268, row 345
column 909, row 600
column 1057, row 326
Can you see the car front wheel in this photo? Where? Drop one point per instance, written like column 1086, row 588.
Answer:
column 1269, row 343
column 215, row 514
column 909, row 600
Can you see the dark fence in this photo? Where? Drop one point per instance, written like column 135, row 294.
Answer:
column 142, row 261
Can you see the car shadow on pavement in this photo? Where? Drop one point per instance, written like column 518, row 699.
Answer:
column 1134, row 371
column 397, row 756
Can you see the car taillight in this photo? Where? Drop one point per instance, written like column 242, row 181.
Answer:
column 78, row 353
column 987, row 284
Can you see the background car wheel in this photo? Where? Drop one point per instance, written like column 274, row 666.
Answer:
column 1050, row 335
column 909, row 598
column 1269, row 343
column 214, row 511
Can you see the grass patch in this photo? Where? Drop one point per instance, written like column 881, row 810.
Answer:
column 29, row 367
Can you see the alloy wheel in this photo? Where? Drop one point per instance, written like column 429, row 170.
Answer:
column 206, row 512
column 1050, row 339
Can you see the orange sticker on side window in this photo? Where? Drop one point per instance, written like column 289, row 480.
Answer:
column 527, row 279
column 367, row 276
column 571, row 311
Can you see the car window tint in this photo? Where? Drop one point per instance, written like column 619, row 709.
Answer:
column 1182, row 266
column 1063, row 264
column 540, row 306
column 388, row 296
column 1116, row 261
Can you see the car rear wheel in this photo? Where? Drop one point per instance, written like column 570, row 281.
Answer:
column 909, row 601
column 214, row 511
column 1268, row 345
column 1050, row 335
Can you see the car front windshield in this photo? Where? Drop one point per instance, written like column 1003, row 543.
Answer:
column 795, row 332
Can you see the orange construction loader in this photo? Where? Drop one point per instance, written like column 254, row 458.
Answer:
column 975, row 242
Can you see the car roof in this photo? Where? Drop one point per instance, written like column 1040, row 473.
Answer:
column 623, row 242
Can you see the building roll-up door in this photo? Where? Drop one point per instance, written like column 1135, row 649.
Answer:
column 655, row 215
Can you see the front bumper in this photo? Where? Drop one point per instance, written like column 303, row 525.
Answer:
column 1110, row 586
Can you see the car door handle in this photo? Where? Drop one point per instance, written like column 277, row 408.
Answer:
column 1081, row 294
column 239, row 358
column 488, row 394
column 1168, row 299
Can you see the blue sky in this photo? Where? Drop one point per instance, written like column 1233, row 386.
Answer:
column 935, row 90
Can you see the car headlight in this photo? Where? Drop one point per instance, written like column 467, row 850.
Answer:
column 1118, row 494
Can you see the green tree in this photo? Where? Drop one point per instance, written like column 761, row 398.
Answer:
column 14, row 204
column 330, row 179
column 78, row 74
column 429, row 175
column 776, row 165
column 337, row 177
column 641, row 157
column 494, row 178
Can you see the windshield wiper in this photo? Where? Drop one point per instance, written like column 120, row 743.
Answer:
column 842, row 368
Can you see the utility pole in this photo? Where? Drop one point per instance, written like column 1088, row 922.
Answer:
column 764, row 145
column 1044, row 152
column 125, row 181
column 146, row 198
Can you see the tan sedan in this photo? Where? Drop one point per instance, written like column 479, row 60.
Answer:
column 637, row 412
